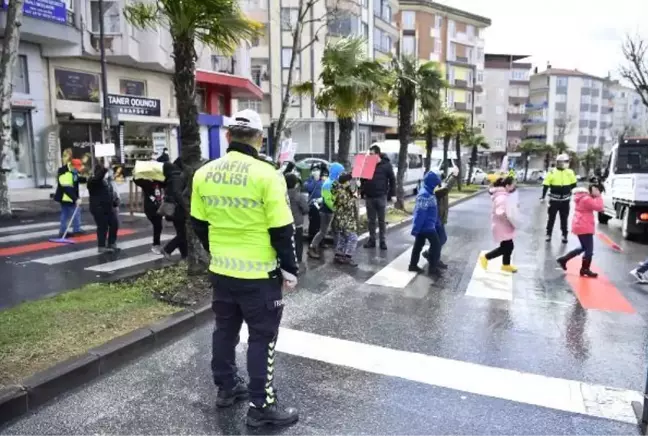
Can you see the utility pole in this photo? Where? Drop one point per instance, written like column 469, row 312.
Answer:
column 472, row 108
column 105, row 113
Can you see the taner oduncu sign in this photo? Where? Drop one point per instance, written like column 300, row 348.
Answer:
column 131, row 105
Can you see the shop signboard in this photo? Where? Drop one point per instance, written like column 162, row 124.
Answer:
column 130, row 105
column 50, row 10
column 132, row 87
column 76, row 86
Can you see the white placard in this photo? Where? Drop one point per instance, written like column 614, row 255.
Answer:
column 104, row 150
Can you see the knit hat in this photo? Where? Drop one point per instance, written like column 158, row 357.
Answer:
column 291, row 180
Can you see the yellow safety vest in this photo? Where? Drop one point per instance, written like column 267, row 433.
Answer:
column 66, row 180
column 560, row 183
column 241, row 197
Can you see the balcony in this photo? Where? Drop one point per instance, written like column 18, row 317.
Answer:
column 515, row 116
column 464, row 107
column 464, row 38
column 514, row 133
column 460, row 83
column 223, row 64
column 536, row 106
column 534, row 121
column 517, row 100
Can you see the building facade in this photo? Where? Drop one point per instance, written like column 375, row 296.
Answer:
column 316, row 133
column 569, row 106
column 57, row 98
column 630, row 114
column 506, row 91
column 453, row 38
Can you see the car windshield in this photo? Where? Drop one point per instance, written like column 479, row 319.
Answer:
column 632, row 159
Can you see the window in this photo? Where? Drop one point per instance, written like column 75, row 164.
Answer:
column 286, row 54
column 632, row 159
column 289, row 18
column 377, row 37
column 294, row 99
column 561, row 81
column 111, row 18
column 409, row 45
column 561, row 98
column 499, row 109
column 519, row 75
column 343, row 24
column 481, row 125
column 453, row 52
column 414, row 161
column 386, row 44
column 480, row 77
column 498, row 143
column 201, row 99
column 451, row 28
column 470, row 30
column 255, row 105
column 469, row 54
column 500, row 92
column 449, row 98
column 386, row 11
column 365, row 30
column 469, row 78
column 499, row 125
column 408, row 20
column 132, row 87
column 469, row 98
column 438, row 48
column 438, row 21
column 20, row 81
column 451, row 75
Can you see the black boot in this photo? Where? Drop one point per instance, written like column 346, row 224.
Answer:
column 383, row 245
column 415, row 268
column 371, row 243
column 564, row 239
column 562, row 262
column 585, row 269
column 271, row 415
column 227, row 398
column 442, row 265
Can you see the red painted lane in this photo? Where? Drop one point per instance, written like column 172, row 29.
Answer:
column 598, row 293
column 605, row 238
column 38, row 246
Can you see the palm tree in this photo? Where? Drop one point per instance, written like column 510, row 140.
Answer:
column 592, row 158
column 411, row 81
column 529, row 147
column 219, row 24
column 349, row 83
column 475, row 141
column 448, row 126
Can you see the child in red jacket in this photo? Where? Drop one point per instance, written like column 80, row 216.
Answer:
column 587, row 202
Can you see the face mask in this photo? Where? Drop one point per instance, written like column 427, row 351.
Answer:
column 316, row 174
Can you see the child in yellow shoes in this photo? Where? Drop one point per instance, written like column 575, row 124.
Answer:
column 503, row 215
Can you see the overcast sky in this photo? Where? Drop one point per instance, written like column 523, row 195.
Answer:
column 581, row 34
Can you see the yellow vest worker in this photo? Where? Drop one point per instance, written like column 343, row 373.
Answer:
column 559, row 182
column 240, row 213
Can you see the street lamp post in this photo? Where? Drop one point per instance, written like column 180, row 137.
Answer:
column 105, row 114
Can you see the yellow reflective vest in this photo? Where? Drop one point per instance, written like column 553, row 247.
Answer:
column 560, row 183
column 241, row 197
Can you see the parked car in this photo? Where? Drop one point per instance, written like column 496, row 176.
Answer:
column 478, row 176
column 533, row 175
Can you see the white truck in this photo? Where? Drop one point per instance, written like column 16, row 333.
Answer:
column 626, row 186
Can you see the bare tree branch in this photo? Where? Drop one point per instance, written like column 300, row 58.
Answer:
column 636, row 69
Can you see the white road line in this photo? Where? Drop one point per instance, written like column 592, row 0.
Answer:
column 36, row 235
column 395, row 275
column 492, row 283
column 90, row 252
column 506, row 384
column 25, row 227
column 125, row 263
column 137, row 214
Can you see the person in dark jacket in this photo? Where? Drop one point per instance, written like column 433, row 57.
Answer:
column 164, row 157
column 314, row 187
column 175, row 185
column 425, row 225
column 376, row 192
column 102, row 208
column 152, row 200
column 67, row 194
column 299, row 208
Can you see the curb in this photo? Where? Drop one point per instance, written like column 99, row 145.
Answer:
column 38, row 389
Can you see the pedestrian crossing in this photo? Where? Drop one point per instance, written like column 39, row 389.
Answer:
column 29, row 244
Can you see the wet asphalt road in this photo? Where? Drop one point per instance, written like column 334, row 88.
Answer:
column 543, row 330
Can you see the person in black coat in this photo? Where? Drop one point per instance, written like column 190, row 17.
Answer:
column 103, row 209
column 377, row 192
column 152, row 190
column 175, row 185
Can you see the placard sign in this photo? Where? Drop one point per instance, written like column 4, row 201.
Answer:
column 364, row 166
column 135, row 105
column 104, row 150
column 50, row 10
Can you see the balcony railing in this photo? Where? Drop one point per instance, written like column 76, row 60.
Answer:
column 534, row 121
column 223, row 64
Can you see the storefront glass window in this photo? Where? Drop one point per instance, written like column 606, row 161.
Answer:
column 139, row 142
column 19, row 153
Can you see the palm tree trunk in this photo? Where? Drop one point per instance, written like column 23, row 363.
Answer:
column 458, row 151
column 344, row 141
column 184, row 82
column 526, row 166
column 429, row 143
column 446, row 145
column 7, row 62
column 471, row 163
column 405, row 110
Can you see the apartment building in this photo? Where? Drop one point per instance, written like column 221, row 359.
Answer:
column 314, row 132
column 57, row 97
column 454, row 38
column 506, row 90
column 570, row 106
column 630, row 115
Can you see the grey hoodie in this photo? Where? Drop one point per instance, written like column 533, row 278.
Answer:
column 298, row 206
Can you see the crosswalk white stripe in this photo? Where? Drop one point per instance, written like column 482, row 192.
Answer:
column 89, row 252
column 125, row 263
column 493, row 283
column 36, row 235
column 135, row 214
column 396, row 274
column 522, row 387
column 25, row 227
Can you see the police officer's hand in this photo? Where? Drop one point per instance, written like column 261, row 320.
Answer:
column 289, row 280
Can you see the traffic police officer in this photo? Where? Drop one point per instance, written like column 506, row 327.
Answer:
column 240, row 213
column 559, row 182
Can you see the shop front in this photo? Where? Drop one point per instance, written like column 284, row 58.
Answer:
column 139, row 128
column 214, row 95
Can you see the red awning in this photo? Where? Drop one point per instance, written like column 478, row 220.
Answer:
column 241, row 87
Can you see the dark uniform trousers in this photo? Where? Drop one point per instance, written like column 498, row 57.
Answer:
column 558, row 208
column 259, row 303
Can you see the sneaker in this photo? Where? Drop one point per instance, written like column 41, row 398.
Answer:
column 156, row 249
column 562, row 263
column 102, row 249
column 113, row 248
column 483, row 262
column 227, row 398
column 339, row 258
column 639, row 276
column 313, row 252
column 442, row 265
column 425, row 254
column 509, row 268
column 415, row 268
column 370, row 244
column 548, row 238
column 271, row 415
column 383, row 245
column 564, row 239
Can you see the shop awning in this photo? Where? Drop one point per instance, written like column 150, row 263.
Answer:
column 241, row 87
column 127, row 118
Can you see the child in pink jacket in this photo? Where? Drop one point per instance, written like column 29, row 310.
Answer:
column 503, row 218
column 587, row 202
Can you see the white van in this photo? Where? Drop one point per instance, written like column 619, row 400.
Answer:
column 436, row 160
column 414, row 174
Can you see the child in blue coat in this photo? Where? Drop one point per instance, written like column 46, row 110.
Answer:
column 425, row 225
